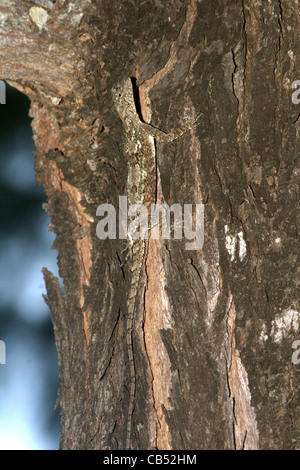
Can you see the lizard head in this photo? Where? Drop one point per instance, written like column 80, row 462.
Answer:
column 122, row 95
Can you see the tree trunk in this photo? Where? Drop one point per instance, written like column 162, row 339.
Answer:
column 214, row 328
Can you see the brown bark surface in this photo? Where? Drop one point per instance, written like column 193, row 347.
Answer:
column 214, row 332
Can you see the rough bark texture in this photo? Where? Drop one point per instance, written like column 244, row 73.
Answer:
column 213, row 338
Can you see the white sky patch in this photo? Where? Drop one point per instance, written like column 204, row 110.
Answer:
column 21, row 426
column 283, row 323
column 242, row 247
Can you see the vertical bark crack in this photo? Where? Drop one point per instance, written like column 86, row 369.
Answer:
column 244, row 426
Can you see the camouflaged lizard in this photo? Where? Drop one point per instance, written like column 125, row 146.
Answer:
column 141, row 189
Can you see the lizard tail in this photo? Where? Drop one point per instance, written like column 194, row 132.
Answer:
column 138, row 253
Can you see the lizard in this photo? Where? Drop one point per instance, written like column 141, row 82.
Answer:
column 141, row 189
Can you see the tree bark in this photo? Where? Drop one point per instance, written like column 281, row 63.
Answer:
column 213, row 335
